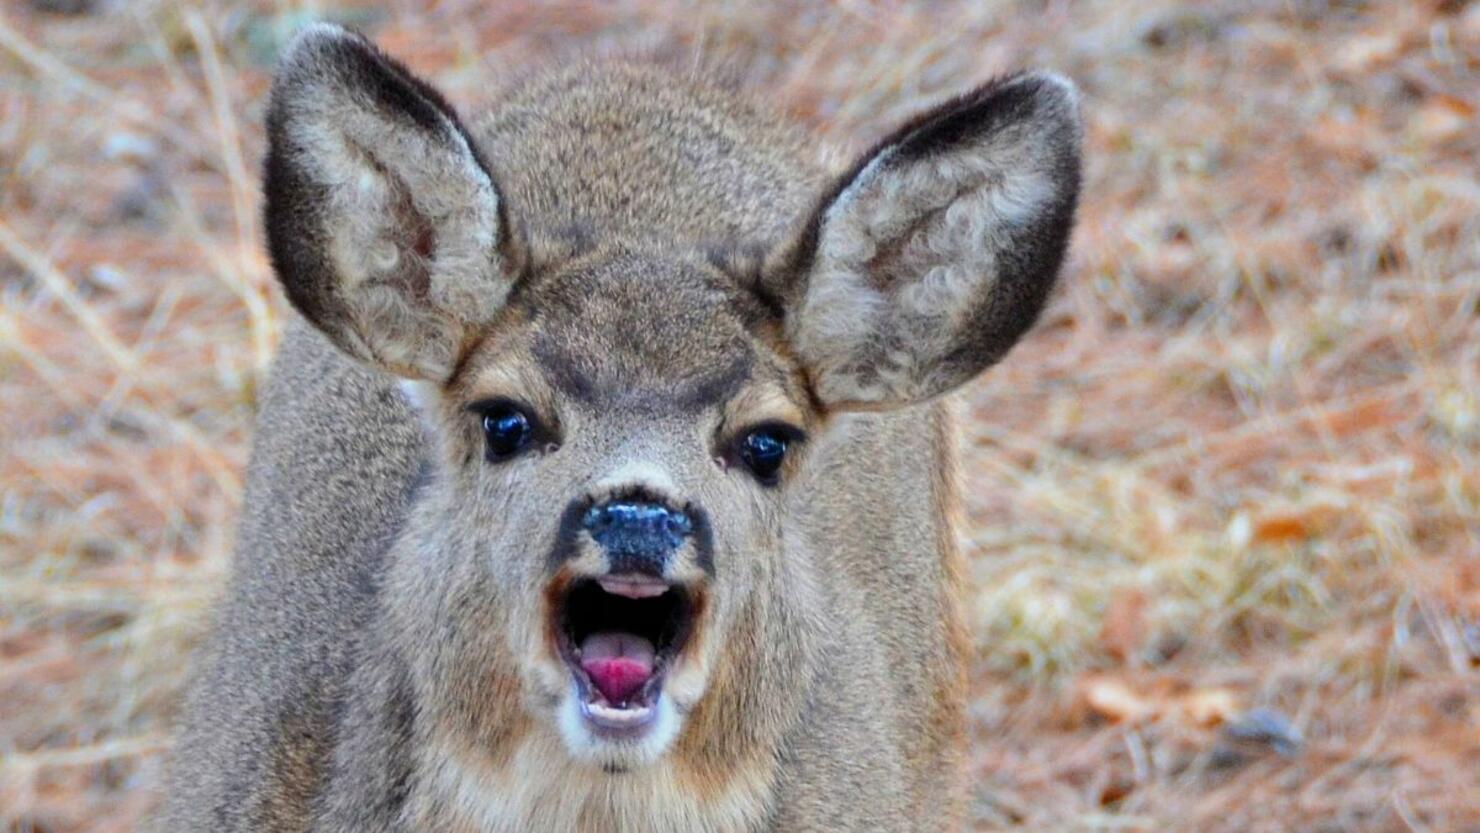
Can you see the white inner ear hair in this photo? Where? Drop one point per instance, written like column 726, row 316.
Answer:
column 386, row 179
column 906, row 254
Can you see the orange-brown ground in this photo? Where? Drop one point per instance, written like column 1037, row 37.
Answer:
column 1223, row 504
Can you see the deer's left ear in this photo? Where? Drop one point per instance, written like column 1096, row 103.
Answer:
column 930, row 258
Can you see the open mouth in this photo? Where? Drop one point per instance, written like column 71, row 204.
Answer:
column 620, row 637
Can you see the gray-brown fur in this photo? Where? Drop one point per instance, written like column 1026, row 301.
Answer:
column 661, row 269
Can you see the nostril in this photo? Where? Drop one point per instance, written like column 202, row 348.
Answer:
column 638, row 529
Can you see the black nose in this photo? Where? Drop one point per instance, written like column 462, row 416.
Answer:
column 638, row 537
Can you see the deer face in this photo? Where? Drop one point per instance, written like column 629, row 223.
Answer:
column 615, row 461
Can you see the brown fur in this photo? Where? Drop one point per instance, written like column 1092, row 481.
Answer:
column 650, row 267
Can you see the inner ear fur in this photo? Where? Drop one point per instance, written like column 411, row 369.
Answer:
column 383, row 222
column 933, row 254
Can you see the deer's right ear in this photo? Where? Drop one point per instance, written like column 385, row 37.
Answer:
column 383, row 222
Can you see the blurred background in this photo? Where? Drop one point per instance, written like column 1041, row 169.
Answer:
column 1222, row 505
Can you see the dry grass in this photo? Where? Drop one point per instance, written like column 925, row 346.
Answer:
column 1235, row 470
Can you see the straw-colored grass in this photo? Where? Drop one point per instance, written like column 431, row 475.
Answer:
column 1224, row 504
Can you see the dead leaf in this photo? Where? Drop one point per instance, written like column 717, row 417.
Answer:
column 1442, row 117
column 1277, row 528
column 1114, row 700
column 1366, row 52
column 1119, row 701
column 1286, row 523
column 1209, row 707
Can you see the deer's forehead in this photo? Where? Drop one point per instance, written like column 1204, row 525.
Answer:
column 666, row 334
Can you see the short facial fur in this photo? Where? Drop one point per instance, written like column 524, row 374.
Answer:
column 640, row 274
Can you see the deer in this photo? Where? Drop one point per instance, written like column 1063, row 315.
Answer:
column 604, row 478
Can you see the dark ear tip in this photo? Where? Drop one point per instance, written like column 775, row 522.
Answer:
column 1052, row 93
column 315, row 44
column 1050, row 85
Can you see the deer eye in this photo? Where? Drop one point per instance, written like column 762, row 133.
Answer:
column 507, row 430
column 764, row 448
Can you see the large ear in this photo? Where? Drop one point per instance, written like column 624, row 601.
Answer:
column 930, row 258
column 383, row 222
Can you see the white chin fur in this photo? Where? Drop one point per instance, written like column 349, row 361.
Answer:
column 587, row 744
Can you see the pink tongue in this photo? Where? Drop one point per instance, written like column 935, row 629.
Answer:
column 617, row 663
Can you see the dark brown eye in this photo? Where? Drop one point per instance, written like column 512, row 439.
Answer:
column 506, row 430
column 763, row 450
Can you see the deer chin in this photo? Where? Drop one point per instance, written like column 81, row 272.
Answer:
column 619, row 638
